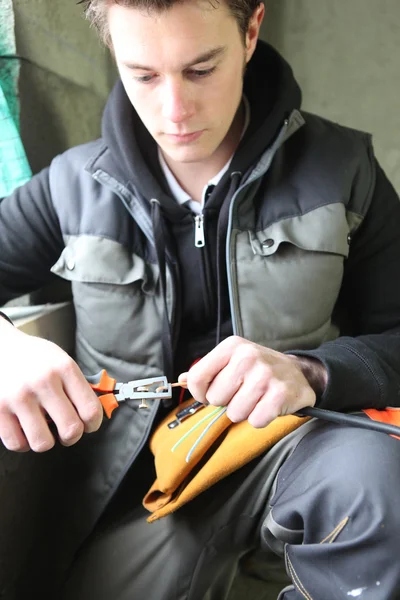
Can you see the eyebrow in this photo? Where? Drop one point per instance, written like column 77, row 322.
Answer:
column 205, row 57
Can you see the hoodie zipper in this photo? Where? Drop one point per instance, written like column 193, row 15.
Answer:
column 199, row 238
column 206, row 271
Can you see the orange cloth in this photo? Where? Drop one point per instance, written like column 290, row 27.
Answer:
column 388, row 415
column 225, row 448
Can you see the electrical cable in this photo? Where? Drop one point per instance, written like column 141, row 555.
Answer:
column 206, row 418
column 346, row 419
column 204, row 433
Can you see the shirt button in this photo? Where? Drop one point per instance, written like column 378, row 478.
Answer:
column 268, row 243
column 348, row 238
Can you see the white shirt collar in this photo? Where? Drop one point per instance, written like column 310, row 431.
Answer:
column 178, row 193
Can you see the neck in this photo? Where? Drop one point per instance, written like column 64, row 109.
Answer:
column 192, row 177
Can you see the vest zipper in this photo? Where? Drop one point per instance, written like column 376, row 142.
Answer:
column 233, row 291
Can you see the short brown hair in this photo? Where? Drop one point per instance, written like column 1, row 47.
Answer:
column 96, row 11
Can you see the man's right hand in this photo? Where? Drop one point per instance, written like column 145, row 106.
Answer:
column 40, row 381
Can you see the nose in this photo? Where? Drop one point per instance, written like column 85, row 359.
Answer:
column 177, row 103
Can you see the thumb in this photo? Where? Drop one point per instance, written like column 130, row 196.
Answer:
column 183, row 377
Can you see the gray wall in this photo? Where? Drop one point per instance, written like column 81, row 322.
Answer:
column 65, row 80
column 346, row 56
column 66, row 75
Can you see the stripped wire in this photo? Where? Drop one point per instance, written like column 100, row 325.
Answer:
column 173, row 385
column 183, row 438
column 221, row 411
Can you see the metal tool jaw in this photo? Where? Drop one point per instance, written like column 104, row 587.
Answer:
column 151, row 388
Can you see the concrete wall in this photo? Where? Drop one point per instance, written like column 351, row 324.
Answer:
column 65, row 77
column 346, row 56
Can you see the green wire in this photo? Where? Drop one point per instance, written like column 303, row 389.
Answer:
column 183, row 438
column 207, row 429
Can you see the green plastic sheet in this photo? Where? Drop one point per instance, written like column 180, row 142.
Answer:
column 14, row 166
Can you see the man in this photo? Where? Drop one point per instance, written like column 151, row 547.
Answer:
column 211, row 206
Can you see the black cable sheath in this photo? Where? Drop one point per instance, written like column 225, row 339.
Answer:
column 345, row 419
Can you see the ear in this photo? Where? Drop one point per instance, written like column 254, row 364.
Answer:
column 254, row 30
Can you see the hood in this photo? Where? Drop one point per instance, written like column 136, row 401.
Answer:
column 271, row 89
column 132, row 155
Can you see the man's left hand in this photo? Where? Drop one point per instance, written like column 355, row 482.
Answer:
column 254, row 382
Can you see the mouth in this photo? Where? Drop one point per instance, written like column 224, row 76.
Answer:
column 184, row 138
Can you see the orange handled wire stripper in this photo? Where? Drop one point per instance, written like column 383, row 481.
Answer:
column 111, row 392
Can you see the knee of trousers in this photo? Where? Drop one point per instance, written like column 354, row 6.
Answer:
column 339, row 482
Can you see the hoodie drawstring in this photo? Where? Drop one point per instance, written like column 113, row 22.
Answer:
column 236, row 177
column 159, row 243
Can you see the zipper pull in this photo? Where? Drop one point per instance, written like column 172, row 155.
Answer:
column 199, row 239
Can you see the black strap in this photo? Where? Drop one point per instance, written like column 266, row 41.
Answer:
column 221, row 236
column 159, row 243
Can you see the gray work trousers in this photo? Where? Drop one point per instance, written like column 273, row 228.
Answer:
column 324, row 499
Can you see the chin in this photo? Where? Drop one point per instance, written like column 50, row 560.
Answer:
column 187, row 155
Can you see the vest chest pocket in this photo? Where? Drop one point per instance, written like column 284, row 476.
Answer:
column 289, row 277
column 114, row 294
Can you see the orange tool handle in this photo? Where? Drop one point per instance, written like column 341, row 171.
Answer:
column 105, row 384
column 109, row 403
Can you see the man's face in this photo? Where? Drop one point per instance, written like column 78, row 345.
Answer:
column 183, row 72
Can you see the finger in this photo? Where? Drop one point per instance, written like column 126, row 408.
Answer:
column 84, row 399
column 202, row 374
column 225, row 385
column 62, row 413
column 264, row 412
column 280, row 400
column 183, row 378
column 243, row 403
column 11, row 433
column 35, row 427
column 277, row 396
column 241, row 384
column 257, row 379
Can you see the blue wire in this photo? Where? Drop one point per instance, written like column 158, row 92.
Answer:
column 183, row 438
column 193, row 448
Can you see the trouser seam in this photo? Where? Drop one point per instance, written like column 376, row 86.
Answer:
column 331, row 537
column 296, row 579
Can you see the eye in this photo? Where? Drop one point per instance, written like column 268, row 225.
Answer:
column 199, row 73
column 144, row 78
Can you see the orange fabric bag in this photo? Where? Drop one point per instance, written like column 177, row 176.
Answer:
column 203, row 449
